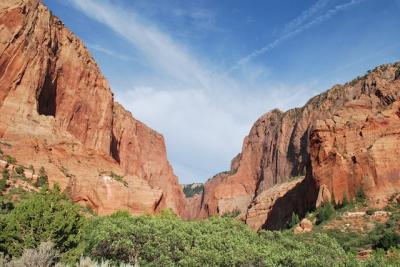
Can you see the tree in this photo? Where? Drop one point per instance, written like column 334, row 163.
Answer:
column 41, row 217
column 294, row 220
column 42, row 178
column 325, row 212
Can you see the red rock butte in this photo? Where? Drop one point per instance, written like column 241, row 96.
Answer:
column 57, row 111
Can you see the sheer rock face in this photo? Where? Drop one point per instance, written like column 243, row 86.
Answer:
column 53, row 95
column 343, row 140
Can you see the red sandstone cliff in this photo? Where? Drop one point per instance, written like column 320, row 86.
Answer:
column 57, row 110
column 344, row 140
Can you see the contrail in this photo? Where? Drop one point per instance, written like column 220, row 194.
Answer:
column 318, row 6
column 330, row 13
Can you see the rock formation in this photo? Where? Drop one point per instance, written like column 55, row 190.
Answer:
column 57, row 111
column 344, row 141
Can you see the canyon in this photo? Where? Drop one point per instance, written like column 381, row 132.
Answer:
column 58, row 111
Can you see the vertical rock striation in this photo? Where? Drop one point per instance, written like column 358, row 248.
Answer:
column 53, row 97
column 344, row 140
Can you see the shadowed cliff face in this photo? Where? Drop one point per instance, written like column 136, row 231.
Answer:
column 55, row 104
column 343, row 140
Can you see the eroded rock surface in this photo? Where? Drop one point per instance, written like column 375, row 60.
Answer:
column 57, row 111
column 344, row 141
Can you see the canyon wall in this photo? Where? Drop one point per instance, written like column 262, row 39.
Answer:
column 343, row 141
column 57, row 110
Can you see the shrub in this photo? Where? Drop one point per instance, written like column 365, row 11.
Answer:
column 293, row 221
column 325, row 212
column 42, row 179
column 3, row 184
column 5, row 174
column 389, row 239
column 10, row 160
column 165, row 240
column 44, row 256
column 231, row 214
column 360, row 195
column 193, row 189
column 118, row 178
column 19, row 170
column 40, row 217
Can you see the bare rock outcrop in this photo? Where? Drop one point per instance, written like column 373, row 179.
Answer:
column 57, row 111
column 343, row 141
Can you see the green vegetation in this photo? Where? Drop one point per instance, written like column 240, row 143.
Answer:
column 41, row 217
column 118, row 178
column 46, row 226
column 193, row 189
column 293, row 221
column 19, row 170
column 231, row 214
column 325, row 212
column 42, row 179
column 10, row 160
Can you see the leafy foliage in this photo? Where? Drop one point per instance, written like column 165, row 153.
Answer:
column 193, row 189
column 19, row 170
column 118, row 178
column 165, row 240
column 325, row 212
column 40, row 217
column 42, row 179
column 293, row 221
column 10, row 160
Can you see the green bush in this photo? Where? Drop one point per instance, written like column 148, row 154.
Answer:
column 231, row 214
column 192, row 189
column 325, row 212
column 293, row 221
column 42, row 179
column 389, row 239
column 10, row 160
column 6, row 174
column 41, row 217
column 19, row 170
column 360, row 195
column 166, row 240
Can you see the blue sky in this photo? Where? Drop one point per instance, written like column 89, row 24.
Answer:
column 201, row 72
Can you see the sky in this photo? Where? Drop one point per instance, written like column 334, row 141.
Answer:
column 202, row 71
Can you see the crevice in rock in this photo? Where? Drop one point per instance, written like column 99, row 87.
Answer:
column 47, row 98
column 114, row 148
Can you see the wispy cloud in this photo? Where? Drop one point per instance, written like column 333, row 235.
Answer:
column 203, row 116
column 305, row 15
column 296, row 27
column 110, row 52
column 157, row 47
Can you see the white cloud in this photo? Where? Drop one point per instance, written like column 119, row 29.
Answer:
column 158, row 47
column 204, row 130
column 203, row 116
